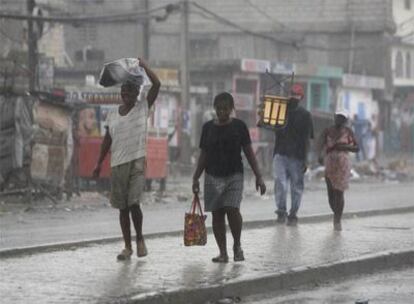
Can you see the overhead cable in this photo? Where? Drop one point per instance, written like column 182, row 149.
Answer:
column 291, row 43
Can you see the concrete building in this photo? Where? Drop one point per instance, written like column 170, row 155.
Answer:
column 76, row 49
column 403, row 46
column 233, row 43
column 317, row 32
column 11, row 31
column 335, row 48
column 400, row 134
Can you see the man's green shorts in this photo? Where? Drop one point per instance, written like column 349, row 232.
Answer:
column 127, row 183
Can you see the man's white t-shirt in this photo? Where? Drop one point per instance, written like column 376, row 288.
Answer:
column 128, row 133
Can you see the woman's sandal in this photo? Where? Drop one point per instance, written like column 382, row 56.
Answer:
column 220, row 259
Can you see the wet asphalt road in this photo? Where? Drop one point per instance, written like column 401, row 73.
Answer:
column 394, row 286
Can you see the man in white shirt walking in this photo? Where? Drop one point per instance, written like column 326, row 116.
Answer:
column 126, row 136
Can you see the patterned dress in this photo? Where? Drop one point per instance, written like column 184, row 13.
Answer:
column 337, row 164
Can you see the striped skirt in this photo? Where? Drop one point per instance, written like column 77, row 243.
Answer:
column 222, row 192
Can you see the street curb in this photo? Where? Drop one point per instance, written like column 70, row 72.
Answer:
column 14, row 252
column 295, row 277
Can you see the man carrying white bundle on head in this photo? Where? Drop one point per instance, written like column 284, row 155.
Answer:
column 125, row 137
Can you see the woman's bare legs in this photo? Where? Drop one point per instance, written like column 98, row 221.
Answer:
column 219, row 230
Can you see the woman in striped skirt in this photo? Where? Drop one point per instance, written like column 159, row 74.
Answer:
column 221, row 143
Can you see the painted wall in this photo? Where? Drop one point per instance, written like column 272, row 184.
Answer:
column 116, row 40
column 358, row 101
column 403, row 14
column 403, row 51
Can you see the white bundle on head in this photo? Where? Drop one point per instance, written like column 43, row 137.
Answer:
column 124, row 70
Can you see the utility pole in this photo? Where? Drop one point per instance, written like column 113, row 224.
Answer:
column 31, row 46
column 146, row 34
column 386, row 102
column 185, row 117
column 351, row 50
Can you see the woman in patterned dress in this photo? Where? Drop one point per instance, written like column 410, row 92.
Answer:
column 221, row 143
column 336, row 141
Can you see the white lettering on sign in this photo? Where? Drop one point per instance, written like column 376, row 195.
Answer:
column 364, row 82
column 255, row 65
column 282, row 68
column 93, row 97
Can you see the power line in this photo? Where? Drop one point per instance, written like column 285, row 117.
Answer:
column 240, row 28
column 291, row 43
column 12, row 39
column 265, row 14
column 124, row 17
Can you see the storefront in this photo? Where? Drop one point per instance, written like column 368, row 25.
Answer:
column 357, row 96
column 93, row 106
column 246, row 89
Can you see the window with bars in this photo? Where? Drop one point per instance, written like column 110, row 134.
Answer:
column 319, row 96
column 220, row 87
column 203, row 48
column 246, row 86
column 88, row 33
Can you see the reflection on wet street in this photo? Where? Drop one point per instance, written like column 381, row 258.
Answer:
column 92, row 274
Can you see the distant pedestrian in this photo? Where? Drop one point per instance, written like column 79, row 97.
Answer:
column 221, row 143
column 126, row 134
column 290, row 157
column 370, row 147
column 335, row 143
column 360, row 128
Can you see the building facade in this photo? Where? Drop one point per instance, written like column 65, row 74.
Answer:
column 332, row 47
column 233, row 44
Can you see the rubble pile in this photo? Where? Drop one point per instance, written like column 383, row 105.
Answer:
column 395, row 170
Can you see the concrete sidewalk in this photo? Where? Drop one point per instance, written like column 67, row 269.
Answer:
column 172, row 273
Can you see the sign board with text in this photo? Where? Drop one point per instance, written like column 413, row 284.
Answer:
column 363, row 82
column 168, row 77
column 93, row 95
column 255, row 65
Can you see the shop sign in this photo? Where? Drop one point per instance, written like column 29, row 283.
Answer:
column 198, row 89
column 168, row 77
column 323, row 71
column 329, row 72
column 255, row 65
column 282, row 68
column 303, row 69
column 364, row 82
column 244, row 102
column 93, row 95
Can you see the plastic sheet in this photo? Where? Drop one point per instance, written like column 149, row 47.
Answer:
column 121, row 71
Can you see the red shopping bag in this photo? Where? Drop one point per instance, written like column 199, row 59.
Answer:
column 195, row 233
